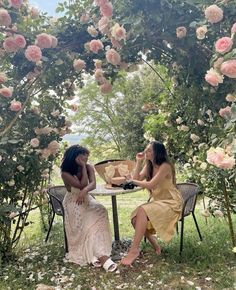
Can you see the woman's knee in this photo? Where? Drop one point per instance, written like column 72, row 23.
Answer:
column 133, row 221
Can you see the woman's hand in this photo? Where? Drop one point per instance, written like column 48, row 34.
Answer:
column 81, row 161
column 140, row 156
column 81, row 197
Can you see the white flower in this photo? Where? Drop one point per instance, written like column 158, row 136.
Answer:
column 13, row 214
column 200, row 122
column 0, row 158
column 234, row 250
column 194, row 137
column 202, row 145
column 179, row 120
column 11, row 182
column 186, row 166
column 208, row 112
column 231, row 98
column 218, row 213
column 20, row 168
column 205, row 213
column 183, row 128
column 55, row 113
column 203, row 166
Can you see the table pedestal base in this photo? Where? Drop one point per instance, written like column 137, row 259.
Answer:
column 119, row 248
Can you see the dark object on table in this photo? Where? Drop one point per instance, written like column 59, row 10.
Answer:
column 129, row 185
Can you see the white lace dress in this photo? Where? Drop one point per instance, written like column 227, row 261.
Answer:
column 87, row 229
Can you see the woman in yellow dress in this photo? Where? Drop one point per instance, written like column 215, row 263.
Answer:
column 161, row 214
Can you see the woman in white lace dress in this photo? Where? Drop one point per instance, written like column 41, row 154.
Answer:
column 86, row 220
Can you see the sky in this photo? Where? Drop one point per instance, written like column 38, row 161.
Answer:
column 48, row 6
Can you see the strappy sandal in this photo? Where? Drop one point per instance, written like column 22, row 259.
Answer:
column 109, row 265
column 96, row 263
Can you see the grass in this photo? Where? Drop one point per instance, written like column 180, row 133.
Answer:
column 204, row 265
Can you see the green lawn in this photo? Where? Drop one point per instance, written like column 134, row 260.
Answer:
column 204, row 265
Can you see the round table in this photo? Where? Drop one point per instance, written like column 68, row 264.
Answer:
column 101, row 190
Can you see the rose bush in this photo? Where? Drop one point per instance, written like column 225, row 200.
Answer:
column 43, row 60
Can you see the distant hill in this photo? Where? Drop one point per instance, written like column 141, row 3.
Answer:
column 73, row 138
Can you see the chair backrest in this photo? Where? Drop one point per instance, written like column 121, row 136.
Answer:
column 56, row 196
column 189, row 193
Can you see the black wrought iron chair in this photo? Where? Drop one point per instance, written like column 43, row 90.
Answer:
column 56, row 195
column 189, row 192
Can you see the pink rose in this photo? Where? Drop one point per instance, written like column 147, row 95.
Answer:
column 228, row 68
column 10, row 45
column 33, row 53
column 15, row 3
column 15, row 106
column 54, row 147
column 223, row 44
column 201, row 32
column 5, row 18
column 106, row 88
column 99, row 77
column 34, row 12
column 225, row 112
column 97, row 63
column 218, row 157
column 92, row 31
column 43, row 40
column 115, row 43
column 100, row 2
column 103, row 25
column 213, row 77
column 106, row 9
column 233, row 29
column 118, row 32
column 6, row 92
column 20, row 41
column 34, row 142
column 84, row 18
column 3, row 78
column 181, row 32
column 54, row 41
column 214, row 14
column 113, row 56
column 95, row 45
column 79, row 64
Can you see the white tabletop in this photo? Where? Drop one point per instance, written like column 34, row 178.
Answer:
column 102, row 190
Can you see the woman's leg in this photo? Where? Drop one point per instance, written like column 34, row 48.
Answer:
column 150, row 238
column 140, row 229
column 153, row 242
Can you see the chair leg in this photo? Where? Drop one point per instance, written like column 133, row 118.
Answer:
column 50, row 226
column 177, row 228
column 65, row 236
column 195, row 220
column 181, row 236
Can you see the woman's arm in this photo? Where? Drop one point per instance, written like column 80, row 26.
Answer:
column 91, row 178
column 163, row 172
column 90, row 185
column 139, row 172
column 70, row 180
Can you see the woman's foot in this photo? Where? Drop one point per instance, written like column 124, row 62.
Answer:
column 130, row 258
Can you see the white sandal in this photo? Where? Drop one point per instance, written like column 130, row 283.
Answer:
column 109, row 265
column 96, row 263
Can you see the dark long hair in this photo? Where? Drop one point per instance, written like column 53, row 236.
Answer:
column 159, row 156
column 68, row 162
